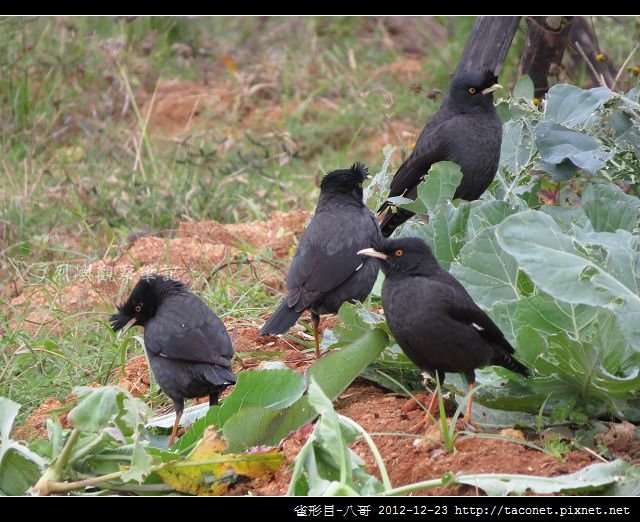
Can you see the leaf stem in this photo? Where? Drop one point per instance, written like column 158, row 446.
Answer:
column 374, row 449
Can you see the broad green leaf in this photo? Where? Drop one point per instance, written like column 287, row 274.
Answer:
column 140, row 465
column 618, row 357
column 591, row 271
column 98, row 408
column 8, row 412
column 563, row 171
column 490, row 418
column 530, row 344
column 547, row 315
column 591, row 478
column 618, row 253
column 517, row 152
column 485, row 214
column 560, row 146
column 609, row 209
column 568, row 218
column 487, row 272
column 329, row 432
column 355, row 321
column 20, row 468
column 268, row 389
column 503, row 108
column 256, row 390
column 259, row 426
column 326, row 465
column 627, row 131
column 523, row 88
column 629, row 486
column 499, row 389
column 574, row 368
column 504, row 315
column 446, row 232
column 393, row 365
column 131, row 415
column 438, row 187
column 570, row 105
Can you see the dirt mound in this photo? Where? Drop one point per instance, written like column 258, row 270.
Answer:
column 203, row 247
column 410, row 460
column 278, row 233
column 391, row 419
column 134, row 377
column 35, row 426
column 176, row 107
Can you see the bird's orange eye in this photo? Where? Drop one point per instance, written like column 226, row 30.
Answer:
column 138, row 309
column 398, row 253
column 472, row 90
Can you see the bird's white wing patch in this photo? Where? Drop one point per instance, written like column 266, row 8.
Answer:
column 477, row 327
column 360, row 266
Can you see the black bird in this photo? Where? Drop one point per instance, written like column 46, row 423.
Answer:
column 433, row 318
column 466, row 130
column 188, row 347
column 326, row 271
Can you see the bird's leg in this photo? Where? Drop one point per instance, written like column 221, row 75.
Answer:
column 213, row 398
column 430, row 413
column 467, row 414
column 179, row 408
column 431, row 409
column 315, row 321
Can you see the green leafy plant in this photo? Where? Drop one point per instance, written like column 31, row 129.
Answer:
column 109, row 448
column 562, row 280
column 326, row 466
column 20, row 467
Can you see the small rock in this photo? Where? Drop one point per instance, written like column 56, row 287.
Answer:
column 618, row 432
column 512, row 433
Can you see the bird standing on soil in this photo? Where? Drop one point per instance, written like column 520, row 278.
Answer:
column 466, row 130
column 433, row 318
column 326, row 271
column 188, row 347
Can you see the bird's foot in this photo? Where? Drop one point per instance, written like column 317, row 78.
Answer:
column 465, row 425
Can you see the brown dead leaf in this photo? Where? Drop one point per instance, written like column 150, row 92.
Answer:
column 207, row 471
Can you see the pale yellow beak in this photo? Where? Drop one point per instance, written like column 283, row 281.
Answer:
column 491, row 89
column 126, row 327
column 372, row 253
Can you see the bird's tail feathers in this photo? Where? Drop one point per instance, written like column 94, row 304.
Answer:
column 281, row 320
column 393, row 219
column 507, row 361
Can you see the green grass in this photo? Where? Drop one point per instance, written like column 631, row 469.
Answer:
column 81, row 170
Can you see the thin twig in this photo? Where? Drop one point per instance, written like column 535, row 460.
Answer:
column 595, row 34
column 624, row 65
column 590, row 65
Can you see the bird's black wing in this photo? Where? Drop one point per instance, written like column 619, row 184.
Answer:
column 184, row 328
column 462, row 308
column 327, row 254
